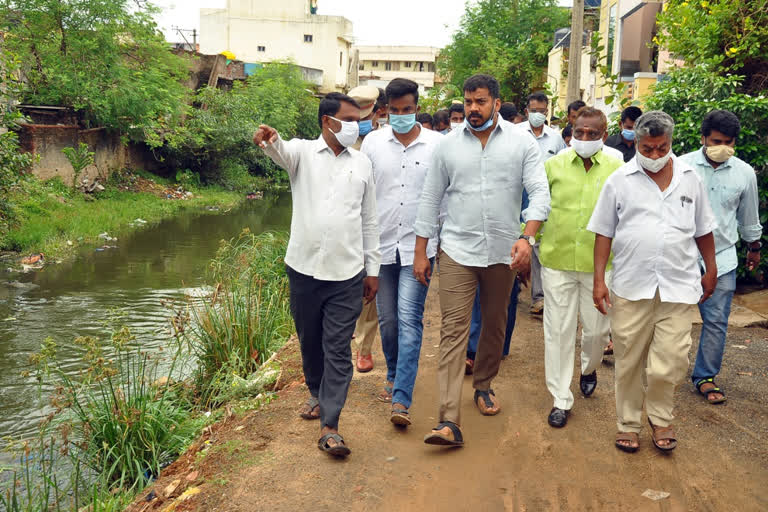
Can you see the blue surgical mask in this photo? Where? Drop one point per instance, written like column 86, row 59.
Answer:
column 402, row 123
column 366, row 127
column 485, row 125
column 628, row 134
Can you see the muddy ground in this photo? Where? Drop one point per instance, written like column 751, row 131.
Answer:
column 267, row 460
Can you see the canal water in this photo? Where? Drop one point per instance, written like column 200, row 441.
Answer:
column 138, row 278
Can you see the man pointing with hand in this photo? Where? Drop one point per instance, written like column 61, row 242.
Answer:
column 478, row 172
column 333, row 254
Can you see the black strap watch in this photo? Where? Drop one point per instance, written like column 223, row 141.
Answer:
column 530, row 239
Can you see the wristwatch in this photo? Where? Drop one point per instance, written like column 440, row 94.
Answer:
column 530, row 239
column 755, row 249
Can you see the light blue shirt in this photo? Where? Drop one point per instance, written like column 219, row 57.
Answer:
column 482, row 189
column 732, row 191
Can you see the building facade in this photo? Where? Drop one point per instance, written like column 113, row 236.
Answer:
column 257, row 31
column 378, row 65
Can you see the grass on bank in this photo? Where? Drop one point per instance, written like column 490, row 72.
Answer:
column 49, row 214
column 130, row 413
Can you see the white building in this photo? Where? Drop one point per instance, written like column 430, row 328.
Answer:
column 264, row 31
column 381, row 64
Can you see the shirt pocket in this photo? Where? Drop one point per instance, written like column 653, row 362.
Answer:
column 730, row 194
column 350, row 188
column 683, row 212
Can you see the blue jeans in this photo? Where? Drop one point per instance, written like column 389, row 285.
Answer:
column 714, row 315
column 474, row 328
column 400, row 303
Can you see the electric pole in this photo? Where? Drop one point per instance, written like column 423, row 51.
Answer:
column 574, row 53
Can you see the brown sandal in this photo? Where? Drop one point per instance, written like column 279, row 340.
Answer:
column 627, row 436
column 663, row 434
column 386, row 393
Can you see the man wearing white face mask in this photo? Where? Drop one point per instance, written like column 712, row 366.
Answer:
column 550, row 143
column 333, row 254
column 575, row 179
column 732, row 187
column 655, row 215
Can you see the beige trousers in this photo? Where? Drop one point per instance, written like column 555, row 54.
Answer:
column 458, row 284
column 651, row 337
column 365, row 329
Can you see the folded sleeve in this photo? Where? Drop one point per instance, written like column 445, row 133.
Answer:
column 747, row 214
column 605, row 216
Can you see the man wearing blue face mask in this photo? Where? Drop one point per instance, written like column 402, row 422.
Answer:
column 401, row 154
column 625, row 140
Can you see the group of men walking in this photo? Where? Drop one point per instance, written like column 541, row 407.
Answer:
column 371, row 225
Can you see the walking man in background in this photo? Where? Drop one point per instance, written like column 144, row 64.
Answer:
column 400, row 155
column 367, row 324
column 333, row 255
column 479, row 170
column 654, row 213
column 731, row 185
column 567, row 258
column 624, row 141
column 456, row 111
column 550, row 143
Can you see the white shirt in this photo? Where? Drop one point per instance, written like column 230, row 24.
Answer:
column 334, row 230
column 399, row 174
column 550, row 141
column 615, row 153
column 654, row 232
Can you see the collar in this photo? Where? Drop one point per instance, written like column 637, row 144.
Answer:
column 544, row 132
column 500, row 125
column 597, row 158
column 321, row 145
column 418, row 140
column 701, row 159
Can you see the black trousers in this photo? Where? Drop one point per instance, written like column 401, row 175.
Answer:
column 325, row 313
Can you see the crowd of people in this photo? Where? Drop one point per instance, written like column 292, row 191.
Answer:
column 610, row 230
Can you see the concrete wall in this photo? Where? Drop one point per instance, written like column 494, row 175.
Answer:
column 280, row 29
column 47, row 141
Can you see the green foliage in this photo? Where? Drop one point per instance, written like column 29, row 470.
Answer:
column 247, row 317
column 13, row 164
column 618, row 89
column 509, row 40
column 216, row 140
column 688, row 94
column 105, row 58
column 440, row 97
column 729, row 36
column 79, row 158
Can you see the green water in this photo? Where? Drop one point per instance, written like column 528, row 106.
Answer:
column 146, row 273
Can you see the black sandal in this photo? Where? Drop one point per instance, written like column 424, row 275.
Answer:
column 486, row 396
column 711, row 390
column 337, row 450
column 400, row 417
column 441, row 440
column 313, row 404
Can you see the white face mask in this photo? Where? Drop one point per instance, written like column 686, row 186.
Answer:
column 455, row 125
column 348, row 134
column 651, row 165
column 586, row 148
column 536, row 119
column 382, row 121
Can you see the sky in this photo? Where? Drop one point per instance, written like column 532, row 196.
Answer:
column 389, row 22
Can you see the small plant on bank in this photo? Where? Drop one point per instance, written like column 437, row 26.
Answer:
column 79, row 158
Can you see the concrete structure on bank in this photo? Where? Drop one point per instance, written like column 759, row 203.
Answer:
column 257, row 31
column 381, row 64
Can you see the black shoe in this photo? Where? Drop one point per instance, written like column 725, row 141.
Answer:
column 588, row 383
column 558, row 417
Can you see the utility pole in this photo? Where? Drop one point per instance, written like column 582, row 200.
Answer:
column 574, row 53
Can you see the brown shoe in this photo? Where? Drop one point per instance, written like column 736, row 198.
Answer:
column 364, row 363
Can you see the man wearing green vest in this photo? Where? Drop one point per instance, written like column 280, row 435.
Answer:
column 575, row 179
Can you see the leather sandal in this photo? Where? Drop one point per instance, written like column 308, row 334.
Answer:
column 630, row 437
column 440, row 439
column 663, row 434
column 485, row 396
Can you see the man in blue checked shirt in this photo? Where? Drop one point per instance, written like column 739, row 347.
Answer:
column 732, row 188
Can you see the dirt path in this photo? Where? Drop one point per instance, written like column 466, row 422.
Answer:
column 513, row 461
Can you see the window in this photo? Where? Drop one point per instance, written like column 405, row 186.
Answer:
column 362, row 67
column 307, row 38
column 375, row 64
column 341, row 58
column 611, row 37
column 407, row 64
column 421, row 66
column 261, row 48
column 388, row 66
column 431, row 67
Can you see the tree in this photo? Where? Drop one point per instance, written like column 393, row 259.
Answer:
column 105, row 58
column 217, row 141
column 728, row 36
column 508, row 39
